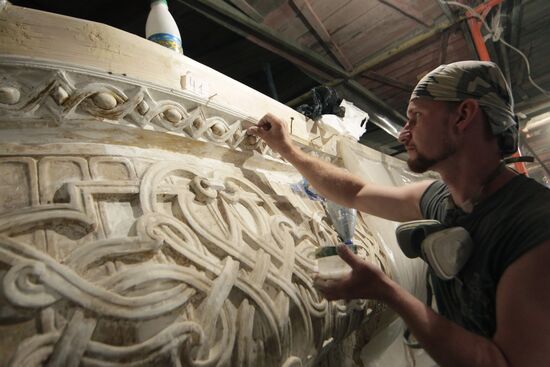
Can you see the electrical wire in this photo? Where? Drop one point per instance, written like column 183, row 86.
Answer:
column 496, row 35
column 543, row 91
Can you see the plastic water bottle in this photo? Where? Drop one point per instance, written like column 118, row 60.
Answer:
column 343, row 219
column 162, row 28
column 329, row 264
column 303, row 188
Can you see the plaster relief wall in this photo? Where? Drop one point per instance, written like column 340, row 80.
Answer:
column 116, row 254
column 156, row 259
column 141, row 226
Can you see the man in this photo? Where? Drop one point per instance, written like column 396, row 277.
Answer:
column 460, row 124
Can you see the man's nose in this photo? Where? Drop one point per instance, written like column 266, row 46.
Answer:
column 404, row 135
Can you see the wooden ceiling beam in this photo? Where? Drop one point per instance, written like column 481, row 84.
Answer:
column 403, row 46
column 248, row 9
column 314, row 22
column 388, row 81
column 443, row 44
column 463, row 27
column 290, row 57
column 407, row 9
column 231, row 18
column 387, row 53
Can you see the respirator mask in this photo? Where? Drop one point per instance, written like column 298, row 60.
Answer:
column 445, row 249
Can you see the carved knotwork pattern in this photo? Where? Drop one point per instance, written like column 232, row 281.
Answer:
column 64, row 96
column 127, row 261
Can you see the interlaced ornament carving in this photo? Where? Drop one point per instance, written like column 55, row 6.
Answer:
column 65, row 96
column 125, row 261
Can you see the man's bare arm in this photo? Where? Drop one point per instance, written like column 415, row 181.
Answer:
column 449, row 344
column 339, row 185
column 523, row 303
column 522, row 338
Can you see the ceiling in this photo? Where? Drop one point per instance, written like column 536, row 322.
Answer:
column 372, row 51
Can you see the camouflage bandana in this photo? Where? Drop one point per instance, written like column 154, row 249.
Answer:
column 479, row 80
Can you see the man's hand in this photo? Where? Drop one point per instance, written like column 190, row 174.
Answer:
column 364, row 281
column 274, row 132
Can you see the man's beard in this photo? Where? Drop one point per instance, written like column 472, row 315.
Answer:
column 422, row 163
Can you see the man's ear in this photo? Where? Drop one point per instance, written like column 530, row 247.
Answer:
column 466, row 112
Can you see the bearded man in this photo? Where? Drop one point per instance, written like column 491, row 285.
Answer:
column 494, row 311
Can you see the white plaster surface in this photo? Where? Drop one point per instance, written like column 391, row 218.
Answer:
column 140, row 225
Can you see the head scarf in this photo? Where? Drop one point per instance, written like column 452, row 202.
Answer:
column 479, row 80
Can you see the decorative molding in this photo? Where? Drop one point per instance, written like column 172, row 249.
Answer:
column 210, row 271
column 32, row 92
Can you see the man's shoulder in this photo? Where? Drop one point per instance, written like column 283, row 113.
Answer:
column 435, row 190
column 433, row 201
column 523, row 217
column 529, row 194
column 528, row 182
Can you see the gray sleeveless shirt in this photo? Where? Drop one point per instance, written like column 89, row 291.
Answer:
column 503, row 227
